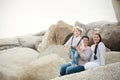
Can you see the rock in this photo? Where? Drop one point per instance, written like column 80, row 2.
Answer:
column 10, row 72
column 116, row 6
column 44, row 68
column 57, row 49
column 8, row 43
column 42, row 33
column 109, row 33
column 17, row 56
column 62, row 30
column 111, row 37
column 55, row 35
column 45, row 42
column 112, row 57
column 20, row 41
column 29, row 41
column 107, row 72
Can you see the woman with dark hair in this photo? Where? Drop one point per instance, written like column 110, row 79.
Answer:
column 98, row 53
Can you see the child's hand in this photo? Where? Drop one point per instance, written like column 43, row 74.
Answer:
column 79, row 49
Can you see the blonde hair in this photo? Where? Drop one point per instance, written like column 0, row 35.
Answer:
column 77, row 28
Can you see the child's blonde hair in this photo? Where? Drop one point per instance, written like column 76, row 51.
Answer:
column 77, row 28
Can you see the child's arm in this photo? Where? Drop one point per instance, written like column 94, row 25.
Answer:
column 68, row 43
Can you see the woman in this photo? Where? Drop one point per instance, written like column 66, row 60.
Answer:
column 98, row 53
column 84, row 57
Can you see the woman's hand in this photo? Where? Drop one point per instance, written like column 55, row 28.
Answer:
column 79, row 49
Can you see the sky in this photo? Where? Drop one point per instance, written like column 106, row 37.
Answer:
column 20, row 17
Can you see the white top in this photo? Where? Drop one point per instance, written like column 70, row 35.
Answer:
column 75, row 42
column 100, row 54
column 100, row 57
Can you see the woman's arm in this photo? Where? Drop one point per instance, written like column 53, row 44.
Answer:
column 85, row 54
column 101, row 50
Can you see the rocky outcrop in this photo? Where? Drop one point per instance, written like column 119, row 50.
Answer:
column 21, row 41
column 8, row 43
column 108, row 72
column 55, row 35
column 44, row 68
column 57, row 49
column 112, row 57
column 10, row 72
column 109, row 33
column 59, row 34
column 13, row 60
column 29, row 41
column 42, row 33
column 17, row 56
column 116, row 6
column 27, row 64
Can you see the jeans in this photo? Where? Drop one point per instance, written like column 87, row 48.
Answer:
column 68, row 69
column 74, row 56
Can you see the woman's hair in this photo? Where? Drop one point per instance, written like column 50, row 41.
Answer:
column 85, row 37
column 95, row 51
column 77, row 28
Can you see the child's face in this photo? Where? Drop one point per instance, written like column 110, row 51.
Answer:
column 76, row 33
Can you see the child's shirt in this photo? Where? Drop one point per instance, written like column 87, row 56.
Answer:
column 73, row 42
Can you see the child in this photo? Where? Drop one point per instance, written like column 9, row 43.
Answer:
column 74, row 41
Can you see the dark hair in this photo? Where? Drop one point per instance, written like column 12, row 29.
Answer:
column 95, row 51
column 85, row 37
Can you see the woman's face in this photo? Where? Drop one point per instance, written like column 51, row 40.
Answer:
column 96, row 38
column 85, row 41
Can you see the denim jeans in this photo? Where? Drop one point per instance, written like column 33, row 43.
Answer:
column 68, row 69
column 74, row 56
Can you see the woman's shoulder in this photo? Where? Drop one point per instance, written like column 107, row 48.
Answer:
column 101, row 44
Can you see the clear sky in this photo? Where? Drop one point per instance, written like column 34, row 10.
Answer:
column 18, row 17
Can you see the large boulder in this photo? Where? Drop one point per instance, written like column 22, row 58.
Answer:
column 112, row 57
column 20, row 41
column 109, row 33
column 44, row 68
column 41, row 33
column 108, row 72
column 55, row 35
column 116, row 6
column 60, row 50
column 9, row 43
column 10, row 72
column 13, row 60
column 29, row 40
column 17, row 56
